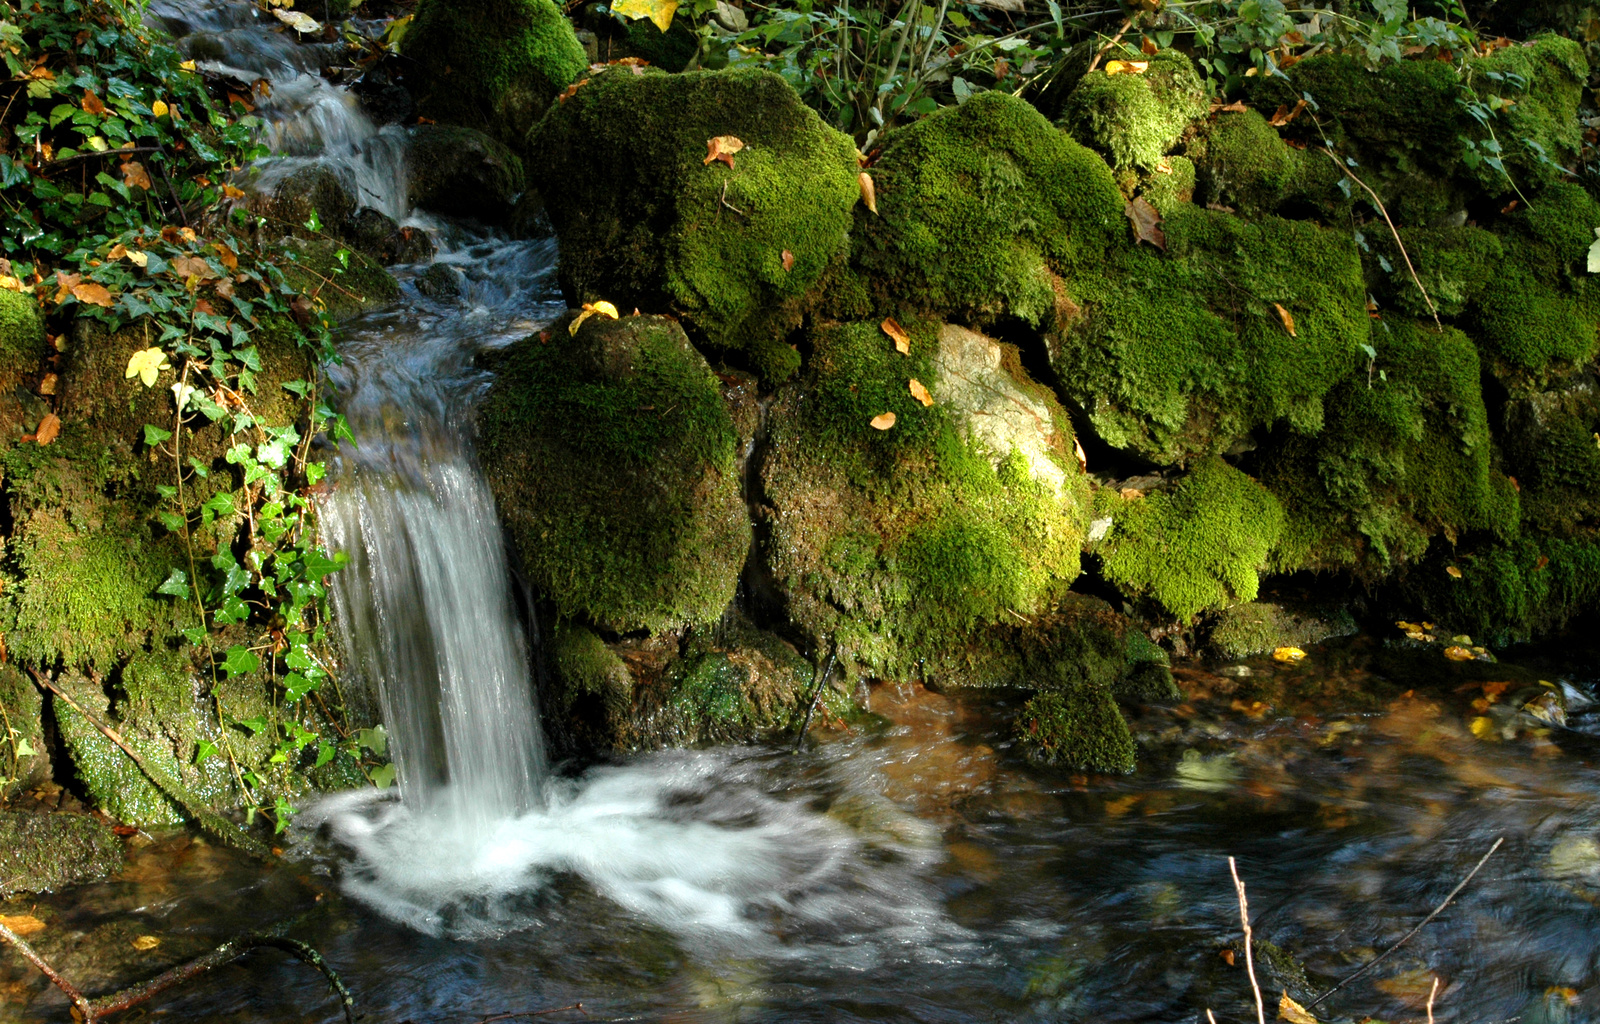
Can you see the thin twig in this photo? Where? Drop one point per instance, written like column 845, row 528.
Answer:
column 1403, row 254
column 78, row 999
column 534, row 1013
column 1249, row 964
column 1370, row 964
column 1112, row 42
column 1431, row 994
column 729, row 205
column 816, row 695
column 1211, row 1016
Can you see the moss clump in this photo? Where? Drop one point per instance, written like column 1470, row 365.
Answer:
column 21, row 349
column 112, row 780
column 611, row 454
column 44, row 852
column 1547, row 439
column 1537, row 324
column 1456, row 265
column 1134, row 120
column 903, row 542
column 1183, row 354
column 593, row 689
column 1404, row 456
column 1246, row 165
column 1079, row 728
column 1170, row 188
column 1512, row 592
column 1260, row 626
column 492, row 64
column 346, row 287
column 980, row 207
column 644, row 221
column 462, row 172
column 21, row 730
column 1200, row 545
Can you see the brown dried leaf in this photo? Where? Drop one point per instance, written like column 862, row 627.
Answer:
column 186, row 267
column 49, row 428
column 135, row 176
column 1148, row 47
column 1083, row 458
column 788, row 260
column 1293, row 1012
column 226, row 256
column 920, row 393
column 902, row 340
column 1236, row 107
column 91, row 103
column 1146, row 222
column 1285, row 115
column 722, row 148
column 883, row 421
column 47, row 384
column 869, row 194
column 145, row 943
column 93, row 294
column 1453, row 571
column 1287, row 318
column 571, row 90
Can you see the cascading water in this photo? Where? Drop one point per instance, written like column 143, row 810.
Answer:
column 694, row 842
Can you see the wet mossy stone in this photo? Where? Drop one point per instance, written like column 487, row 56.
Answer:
column 1402, row 457
column 1078, row 728
column 592, row 688
column 1243, row 163
column 1133, row 120
column 612, row 457
column 1199, row 546
column 111, row 778
column 1184, row 353
column 47, row 852
column 1511, row 592
column 982, row 209
column 904, row 542
column 22, row 348
column 462, row 172
column 644, row 221
column 1257, row 627
column 347, row 286
column 311, row 194
column 24, row 718
column 1456, row 265
column 1548, row 442
column 492, row 64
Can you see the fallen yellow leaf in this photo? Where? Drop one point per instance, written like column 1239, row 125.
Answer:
column 605, row 309
column 147, row 364
column 1293, row 1012
column 159, row 108
column 920, row 393
column 902, row 340
column 93, row 294
column 22, row 924
column 722, row 148
column 659, row 12
column 869, row 194
column 1458, row 654
column 1126, row 67
column 1453, row 571
column 1288, row 654
column 187, row 65
column 1482, row 727
column 49, row 429
column 145, row 943
column 883, row 421
column 1287, row 318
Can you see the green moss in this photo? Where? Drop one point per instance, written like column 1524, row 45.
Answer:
column 1456, row 265
column 1548, row 440
column 1541, row 132
column 1200, row 545
column 1168, row 189
column 1260, row 626
column 345, row 287
column 1246, row 165
column 21, row 730
column 46, row 852
column 1537, row 324
column 110, row 777
column 21, row 333
column 492, row 64
column 1184, row 353
column 645, row 222
column 1512, row 592
column 980, row 206
column 1134, row 120
column 1079, row 728
column 592, row 687
column 1404, row 456
column 903, row 542
column 612, row 456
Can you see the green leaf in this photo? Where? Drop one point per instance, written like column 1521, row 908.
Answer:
column 204, row 751
column 240, row 661
column 296, row 686
column 154, row 435
column 256, row 725
column 21, row 747
column 325, row 752
column 176, row 585
column 374, row 739
column 383, row 776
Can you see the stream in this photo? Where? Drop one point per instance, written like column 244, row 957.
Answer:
column 911, row 867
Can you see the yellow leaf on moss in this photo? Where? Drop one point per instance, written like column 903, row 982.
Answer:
column 1287, row 318
column 920, row 393
column 1126, row 67
column 659, row 12
column 605, row 309
column 1453, row 571
column 722, row 147
column 902, row 340
column 883, row 421
column 869, row 192
column 147, row 364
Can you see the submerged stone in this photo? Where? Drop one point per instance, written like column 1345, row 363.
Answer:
column 46, row 852
column 612, row 456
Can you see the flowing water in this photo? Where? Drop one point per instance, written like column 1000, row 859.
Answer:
column 909, row 868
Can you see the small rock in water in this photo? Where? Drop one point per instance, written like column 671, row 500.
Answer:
column 439, row 282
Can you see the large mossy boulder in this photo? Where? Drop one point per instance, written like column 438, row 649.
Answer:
column 983, row 208
column 903, row 536
column 646, row 220
column 614, row 462
column 1133, row 120
column 462, row 172
column 46, row 852
column 1236, row 326
column 496, row 65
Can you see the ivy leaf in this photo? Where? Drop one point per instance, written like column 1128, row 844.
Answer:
column 257, row 725
column 176, row 585
column 375, row 739
column 1594, row 254
column 240, row 661
column 154, row 435
column 147, row 364
column 204, row 751
column 383, row 777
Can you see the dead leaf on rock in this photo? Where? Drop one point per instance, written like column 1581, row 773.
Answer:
column 604, row 309
column 1285, row 114
column 920, row 393
column 1458, row 654
column 1287, row 318
column 883, row 421
column 1236, row 107
column 902, row 340
column 1146, row 222
column 145, row 943
column 869, row 193
column 22, row 924
column 571, row 90
column 722, row 147
column 49, row 428
column 1293, row 1012
column 297, row 21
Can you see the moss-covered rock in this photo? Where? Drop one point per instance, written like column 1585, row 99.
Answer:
column 982, row 209
column 1244, row 164
column 1079, row 728
column 1260, row 626
column 22, row 347
column 346, row 285
column 645, row 221
column 1511, row 592
column 45, row 852
column 1548, row 442
column 902, row 542
column 612, row 457
column 1456, row 265
column 1133, row 120
column 462, row 172
column 1403, row 456
column 1238, row 325
column 496, row 65
column 1200, row 545
column 1170, row 185
column 24, row 756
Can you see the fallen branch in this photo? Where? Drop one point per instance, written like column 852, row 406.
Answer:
column 1403, row 254
column 816, row 696
column 91, row 1010
column 1249, row 964
column 208, row 819
column 1370, row 964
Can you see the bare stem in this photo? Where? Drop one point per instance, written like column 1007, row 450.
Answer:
column 1431, row 994
column 1114, row 40
column 1249, row 963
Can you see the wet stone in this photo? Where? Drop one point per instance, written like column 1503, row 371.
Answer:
column 43, row 852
